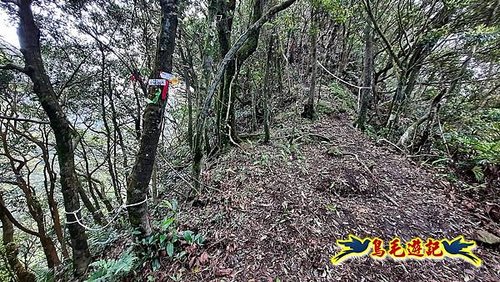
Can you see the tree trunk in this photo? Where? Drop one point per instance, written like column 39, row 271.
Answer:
column 226, row 114
column 204, row 113
column 29, row 37
column 154, row 183
column 267, row 91
column 255, row 99
column 224, row 10
column 102, row 195
column 396, row 101
column 96, row 214
column 433, row 111
column 367, row 77
column 190, row 111
column 117, row 129
column 34, row 207
column 309, row 111
column 140, row 176
column 111, row 168
column 50, row 179
column 11, row 251
column 406, row 84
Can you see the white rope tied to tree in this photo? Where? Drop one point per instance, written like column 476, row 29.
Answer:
column 120, row 208
column 345, row 82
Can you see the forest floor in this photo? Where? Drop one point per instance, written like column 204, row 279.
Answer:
column 274, row 212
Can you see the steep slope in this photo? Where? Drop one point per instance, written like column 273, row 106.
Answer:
column 273, row 212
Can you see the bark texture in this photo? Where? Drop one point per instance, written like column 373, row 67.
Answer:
column 219, row 74
column 367, row 77
column 138, row 182
column 309, row 111
column 11, row 251
column 29, row 37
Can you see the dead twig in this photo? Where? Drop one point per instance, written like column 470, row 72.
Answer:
column 361, row 163
column 390, row 199
column 394, row 145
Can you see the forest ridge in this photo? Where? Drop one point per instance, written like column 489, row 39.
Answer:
column 243, row 140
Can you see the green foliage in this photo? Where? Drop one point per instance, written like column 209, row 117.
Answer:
column 344, row 97
column 476, row 139
column 191, row 238
column 487, row 32
column 44, row 274
column 331, row 207
column 482, row 151
column 113, row 270
column 480, row 137
column 290, row 150
column 5, row 76
column 337, row 9
column 264, row 160
column 323, row 108
column 4, row 267
column 335, row 151
column 478, row 173
column 99, row 240
column 457, row 3
column 288, row 21
column 168, row 240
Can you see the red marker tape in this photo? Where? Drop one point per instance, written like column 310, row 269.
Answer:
column 164, row 92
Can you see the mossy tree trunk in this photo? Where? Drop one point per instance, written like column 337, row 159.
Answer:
column 11, row 251
column 224, row 13
column 219, row 74
column 226, row 119
column 266, row 93
column 367, row 77
column 29, row 38
column 309, row 111
column 138, row 182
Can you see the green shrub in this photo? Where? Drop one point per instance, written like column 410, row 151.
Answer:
column 111, row 269
column 167, row 240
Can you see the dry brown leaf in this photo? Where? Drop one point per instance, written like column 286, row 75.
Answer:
column 203, row 258
column 487, row 237
column 493, row 212
column 220, row 272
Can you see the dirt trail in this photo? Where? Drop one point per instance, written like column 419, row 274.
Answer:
column 274, row 211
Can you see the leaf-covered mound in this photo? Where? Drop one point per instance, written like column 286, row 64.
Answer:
column 273, row 212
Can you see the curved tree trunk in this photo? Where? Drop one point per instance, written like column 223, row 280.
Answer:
column 22, row 274
column 29, row 37
column 219, row 74
column 226, row 121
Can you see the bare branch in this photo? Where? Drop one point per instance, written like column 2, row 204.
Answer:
column 16, row 223
column 15, row 2
column 234, row 49
column 14, row 67
column 6, row 181
column 381, row 34
column 72, row 77
column 24, row 120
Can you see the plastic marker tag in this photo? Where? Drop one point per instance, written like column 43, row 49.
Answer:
column 164, row 92
column 156, row 82
column 166, row 75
